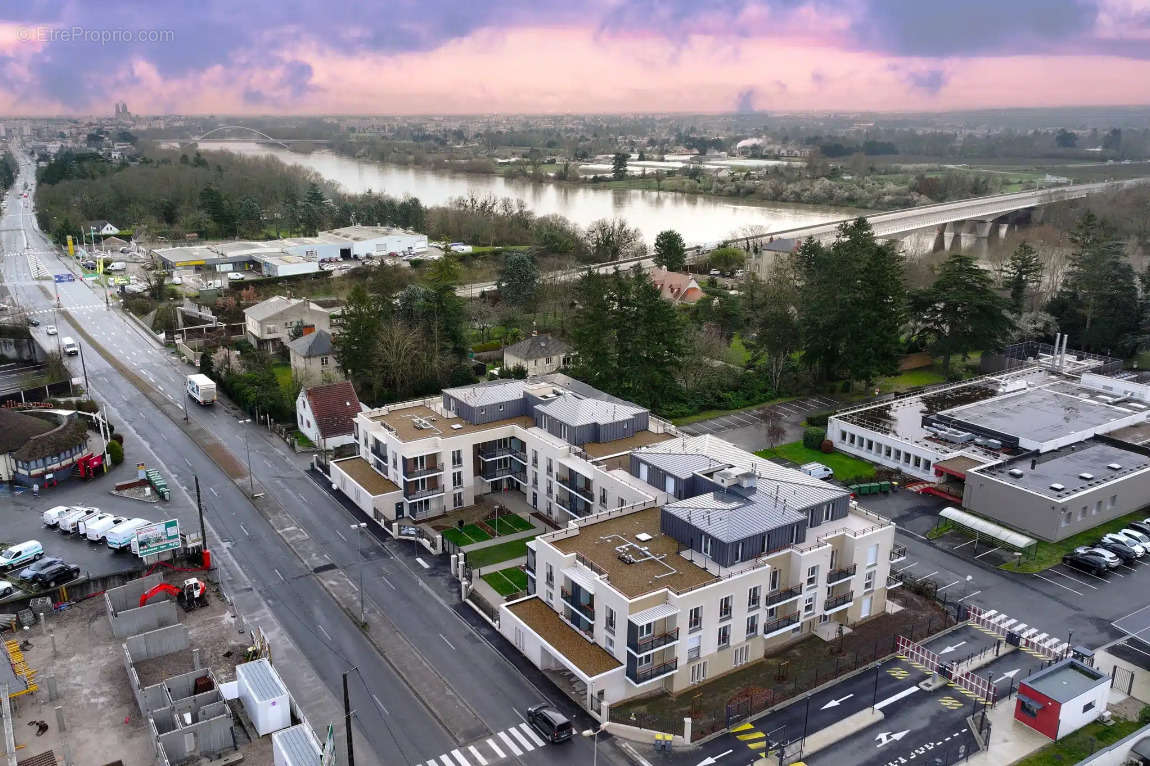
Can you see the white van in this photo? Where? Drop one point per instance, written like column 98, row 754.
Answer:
column 20, row 555
column 121, row 537
column 116, row 266
column 52, row 516
column 817, row 470
column 84, row 524
column 68, row 346
column 97, row 531
column 201, row 388
column 78, row 513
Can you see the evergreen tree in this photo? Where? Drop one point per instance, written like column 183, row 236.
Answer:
column 961, row 312
column 670, row 251
column 207, row 365
column 619, row 166
column 593, row 330
column 775, row 334
column 358, row 326
column 1023, row 274
column 518, row 280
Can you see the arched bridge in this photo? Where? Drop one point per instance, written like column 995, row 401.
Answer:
column 260, row 136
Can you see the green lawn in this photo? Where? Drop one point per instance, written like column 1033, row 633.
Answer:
column 1086, row 741
column 469, row 535
column 507, row 581
column 846, row 468
column 493, row 554
column 283, row 376
column 508, row 524
column 1048, row 554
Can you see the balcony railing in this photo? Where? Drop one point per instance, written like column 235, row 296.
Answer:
column 893, row 582
column 420, row 494
column 653, row 642
column 585, row 609
column 778, row 597
column 416, row 473
column 584, row 492
column 838, row 575
column 514, row 471
column 496, row 453
column 838, row 602
column 781, row 624
column 573, row 618
column 643, row 675
column 897, row 553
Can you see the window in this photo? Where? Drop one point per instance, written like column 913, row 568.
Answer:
column 482, row 410
column 501, row 408
column 1066, row 517
column 458, row 500
column 724, row 636
column 828, row 511
column 645, row 661
column 1082, row 513
column 534, row 480
column 456, row 458
column 917, row 461
column 812, row 577
column 603, row 496
column 646, row 630
column 705, row 542
column 741, row 655
column 738, row 552
column 925, row 464
column 699, row 672
column 774, row 580
column 609, row 643
column 534, row 458
column 695, row 619
column 609, row 623
column 868, row 581
column 752, row 625
column 457, row 479
column 753, row 597
column 872, row 555
column 323, row 361
column 548, row 466
column 548, row 488
column 869, row 445
column 669, row 484
column 550, row 579
column 725, row 608
column 1097, row 508
column 809, row 604
column 906, row 458
column 1113, row 499
column 1088, row 707
column 620, row 502
column 550, row 597
column 1028, row 707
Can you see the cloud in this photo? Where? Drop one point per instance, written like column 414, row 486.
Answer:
column 745, row 101
column 930, row 81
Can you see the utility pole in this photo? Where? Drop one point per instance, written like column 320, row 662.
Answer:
column 362, row 563
column 83, row 366
column 248, row 450
column 877, row 667
column 200, row 508
column 347, row 722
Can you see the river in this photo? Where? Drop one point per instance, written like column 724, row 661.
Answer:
column 700, row 219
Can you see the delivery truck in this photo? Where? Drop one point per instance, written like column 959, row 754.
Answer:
column 201, row 388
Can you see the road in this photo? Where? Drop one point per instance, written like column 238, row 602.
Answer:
column 397, row 725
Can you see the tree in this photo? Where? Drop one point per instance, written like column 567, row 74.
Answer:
column 518, row 280
column 775, row 334
column 207, row 365
column 670, row 251
column 1064, row 139
column 358, row 326
column 314, row 209
column 610, row 239
column 1023, row 274
column 619, row 166
column 727, row 259
column 960, row 312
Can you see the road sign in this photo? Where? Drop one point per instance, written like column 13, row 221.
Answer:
column 327, row 758
column 157, row 538
column 64, row 277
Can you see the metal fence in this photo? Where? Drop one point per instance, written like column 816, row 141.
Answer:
column 1122, row 679
column 981, row 687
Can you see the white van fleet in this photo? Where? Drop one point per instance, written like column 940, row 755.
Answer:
column 52, row 516
column 97, row 531
column 20, row 555
column 79, row 513
column 121, row 536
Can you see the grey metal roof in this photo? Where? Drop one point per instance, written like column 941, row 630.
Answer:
column 313, row 344
column 490, row 392
column 577, row 411
column 681, row 465
column 262, row 679
column 583, row 389
column 1075, row 468
column 271, row 307
column 736, row 514
column 299, row 745
column 538, row 347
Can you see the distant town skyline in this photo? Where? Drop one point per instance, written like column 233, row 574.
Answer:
column 542, row 56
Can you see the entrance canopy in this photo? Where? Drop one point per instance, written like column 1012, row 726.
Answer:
column 1007, row 538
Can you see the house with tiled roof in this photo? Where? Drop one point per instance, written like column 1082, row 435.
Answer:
column 676, row 287
column 325, row 414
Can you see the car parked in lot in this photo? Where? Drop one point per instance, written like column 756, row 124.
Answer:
column 1138, row 535
column 20, row 554
column 1121, row 550
column 1140, row 526
column 1122, row 539
column 6, row 589
column 52, row 516
column 28, row 573
column 1111, row 559
column 78, row 513
column 1087, row 562
column 59, row 573
column 97, row 531
column 550, row 723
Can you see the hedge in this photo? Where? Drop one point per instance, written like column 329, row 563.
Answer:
column 813, row 437
column 115, row 452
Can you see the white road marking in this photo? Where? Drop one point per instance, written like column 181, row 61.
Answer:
column 927, row 575
column 908, row 566
column 459, row 757
column 510, row 744
column 422, row 563
column 531, row 733
column 523, row 741
column 324, row 631
column 896, row 697
column 278, row 574
column 245, row 529
column 341, row 537
column 1052, row 570
column 987, row 553
column 962, row 545
column 956, row 582
column 968, row 595
column 444, row 760
column 380, row 705
column 189, row 462
column 495, row 748
column 1060, row 585
column 476, row 755
column 213, row 491
column 447, row 642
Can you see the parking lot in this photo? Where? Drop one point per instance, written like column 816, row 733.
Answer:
column 748, row 428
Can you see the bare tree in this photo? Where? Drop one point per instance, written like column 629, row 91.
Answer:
column 774, row 423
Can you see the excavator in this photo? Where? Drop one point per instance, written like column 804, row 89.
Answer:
column 192, row 595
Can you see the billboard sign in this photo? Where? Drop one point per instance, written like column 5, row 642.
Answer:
column 157, row 538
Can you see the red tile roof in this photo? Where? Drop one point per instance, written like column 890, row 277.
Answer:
column 334, row 406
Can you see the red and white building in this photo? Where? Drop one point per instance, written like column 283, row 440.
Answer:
column 1062, row 698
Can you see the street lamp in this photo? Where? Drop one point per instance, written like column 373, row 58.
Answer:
column 594, row 734
column 362, row 562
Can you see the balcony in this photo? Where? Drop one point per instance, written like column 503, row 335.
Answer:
column 838, row 575
column 893, row 582
column 579, row 623
column 497, row 452
column 417, row 473
column 421, row 494
column 586, row 610
column 653, row 642
column 514, row 471
column 781, row 625
column 897, row 553
column 838, row 603
column 584, row 492
column 644, row 675
column 783, row 596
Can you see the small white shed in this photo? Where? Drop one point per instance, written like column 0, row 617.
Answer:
column 296, row 746
column 264, row 696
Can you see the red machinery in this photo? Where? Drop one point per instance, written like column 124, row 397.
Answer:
column 89, row 466
column 193, row 594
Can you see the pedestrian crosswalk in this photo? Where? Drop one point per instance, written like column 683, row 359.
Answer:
column 512, row 742
column 81, row 307
column 1037, row 644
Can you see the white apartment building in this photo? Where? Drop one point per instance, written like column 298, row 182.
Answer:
column 742, row 557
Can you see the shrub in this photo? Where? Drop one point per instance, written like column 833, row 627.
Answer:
column 491, row 345
column 115, row 452
column 813, row 437
column 118, row 438
column 819, row 419
column 827, row 447
column 1144, row 714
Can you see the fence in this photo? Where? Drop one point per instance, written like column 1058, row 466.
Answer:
column 982, row 688
column 1122, row 679
column 1020, row 635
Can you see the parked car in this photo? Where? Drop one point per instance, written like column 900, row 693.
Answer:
column 58, row 573
column 20, row 554
column 715, row 273
column 6, row 589
column 234, row 276
column 33, row 322
column 1087, row 562
column 85, row 523
column 1140, row 526
column 98, row 531
column 89, row 265
column 817, row 470
column 549, row 722
column 1121, row 550
column 1111, row 559
column 78, row 513
column 1138, row 535
column 50, row 329
column 1135, row 545
column 28, row 573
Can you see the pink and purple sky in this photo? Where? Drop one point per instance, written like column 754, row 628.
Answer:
column 557, row 56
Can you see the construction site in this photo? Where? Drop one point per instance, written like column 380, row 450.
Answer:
column 156, row 671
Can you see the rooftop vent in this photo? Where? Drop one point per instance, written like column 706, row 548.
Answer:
column 456, row 426
column 1016, row 473
column 1114, row 466
column 1057, row 487
column 643, row 537
column 1085, row 476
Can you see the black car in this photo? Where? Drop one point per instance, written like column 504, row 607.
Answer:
column 33, row 322
column 60, row 572
column 90, row 265
column 1087, row 562
column 28, row 573
column 1124, row 552
column 553, row 725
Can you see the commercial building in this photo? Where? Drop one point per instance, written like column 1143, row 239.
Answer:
column 1062, row 698
column 538, row 354
column 743, row 556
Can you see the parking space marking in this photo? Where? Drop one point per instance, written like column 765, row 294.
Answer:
column 1081, row 573
column 908, row 566
column 956, row 582
column 1052, row 570
column 927, row 575
column 960, row 545
column 968, row 595
column 987, row 553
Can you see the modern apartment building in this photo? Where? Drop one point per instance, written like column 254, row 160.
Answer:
column 737, row 557
column 560, row 443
